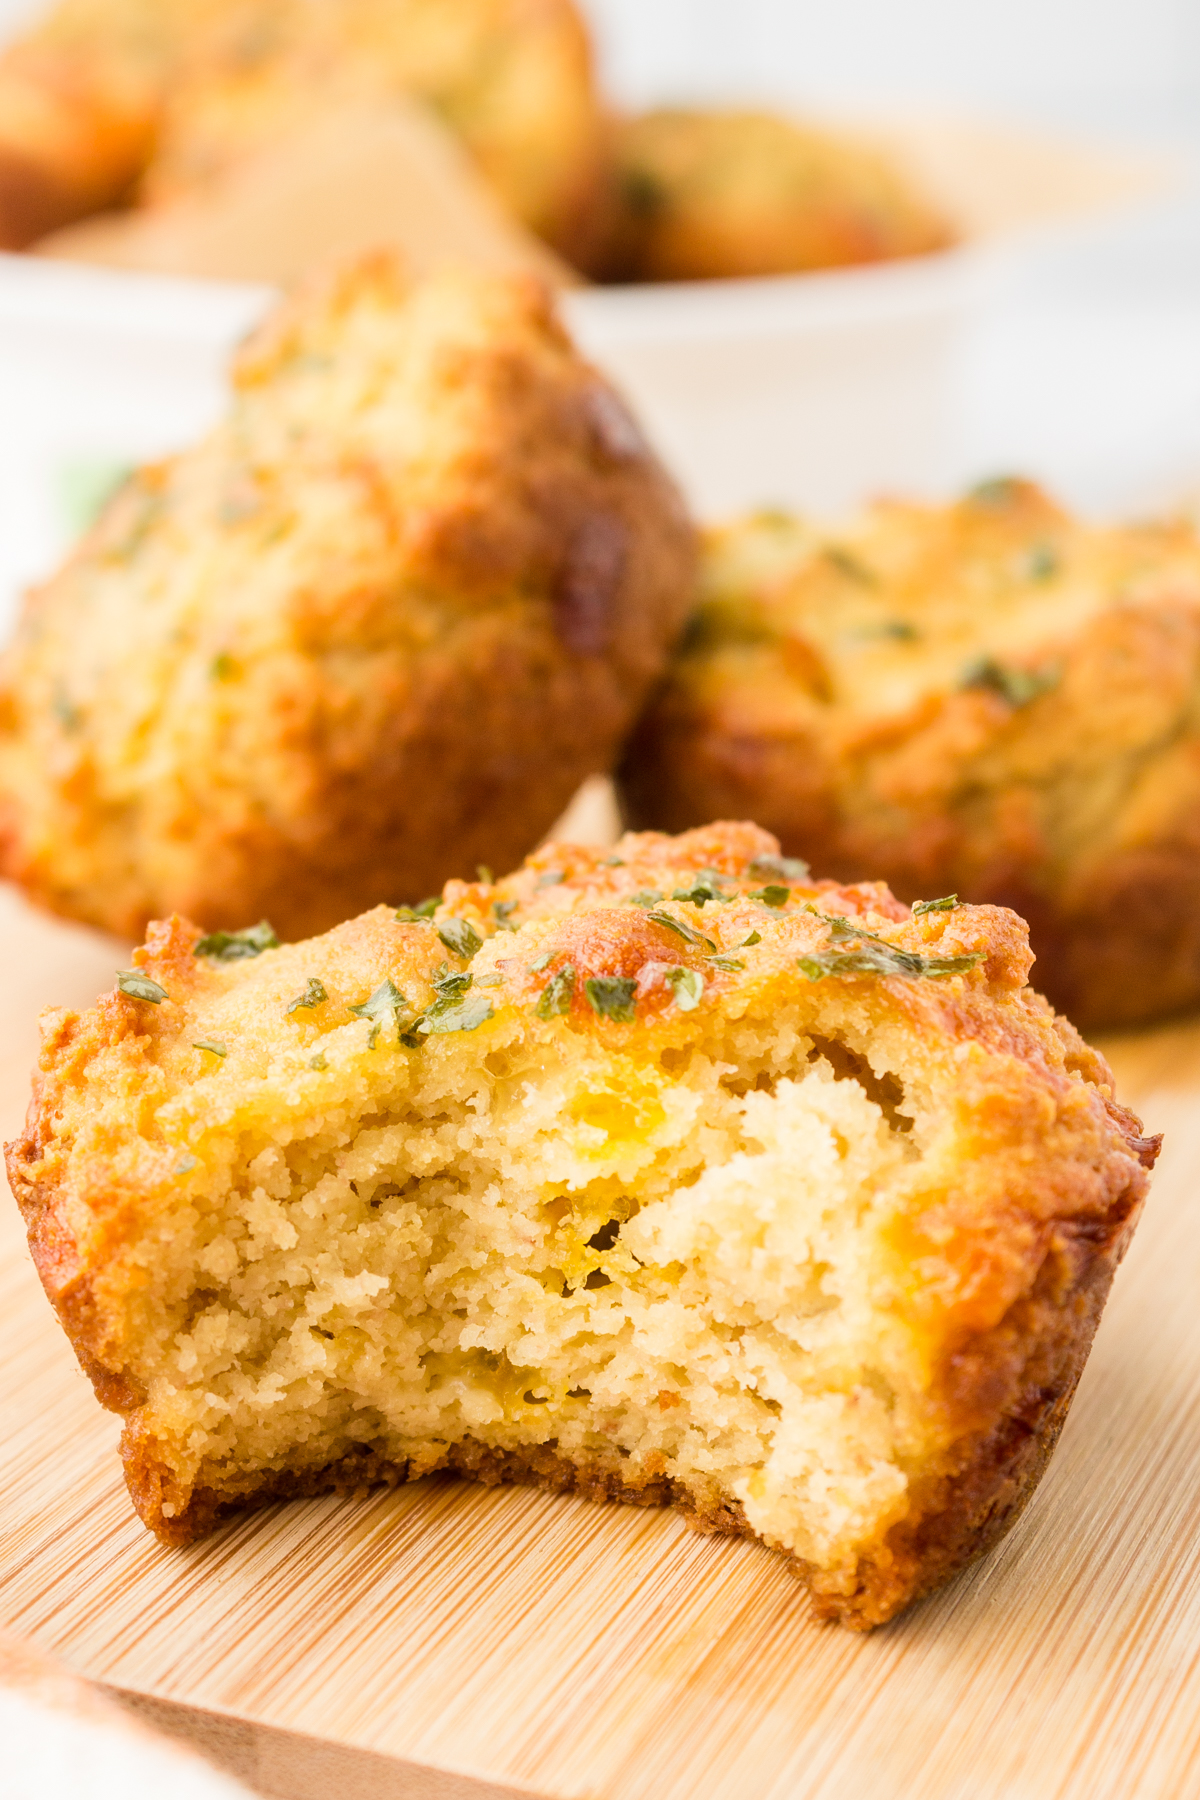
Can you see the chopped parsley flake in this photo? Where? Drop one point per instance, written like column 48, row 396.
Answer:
column 646, row 898
column 1019, row 687
column 446, row 985
column 484, row 875
column 186, row 1164
column 490, row 981
column 502, row 912
column 613, row 862
column 543, row 962
column 946, row 904
column 702, row 891
column 774, row 897
column 213, row 1047
column 314, row 995
column 422, row 914
column 612, row 997
column 386, row 1003
column 557, row 994
column 681, row 930
column 318, row 1062
column 552, row 878
column 792, row 868
column 748, row 943
column 238, row 946
column 452, row 1014
column 878, row 959
column 1000, row 491
column 729, row 963
column 1042, row 563
column 460, row 936
column 846, row 563
column 140, row 987
column 687, row 985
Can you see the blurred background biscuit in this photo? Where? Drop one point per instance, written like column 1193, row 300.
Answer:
column 375, row 629
column 990, row 699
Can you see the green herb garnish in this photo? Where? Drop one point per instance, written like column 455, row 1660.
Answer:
column 502, row 912
column 543, row 962
column 238, row 946
column 646, row 898
column 446, row 985
column 1000, row 490
column 140, row 987
column 729, row 963
column 387, row 1002
column 701, row 892
column 877, row 959
column 947, row 904
column 846, row 563
column 792, row 868
column 484, row 875
column 613, row 862
column 222, row 667
column 687, row 985
column 686, row 932
column 314, row 995
column 450, row 1014
column 186, row 1164
column 212, row 1046
column 551, row 878
column 612, row 997
column 1019, row 687
column 774, row 897
column 417, row 915
column 748, row 943
column 1041, row 564
column 460, row 936
column 557, row 994
column 318, row 1062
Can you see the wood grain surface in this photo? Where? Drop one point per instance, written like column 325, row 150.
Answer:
column 446, row 1641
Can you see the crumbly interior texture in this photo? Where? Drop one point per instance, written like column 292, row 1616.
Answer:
column 375, row 629
column 990, row 698
column 709, row 194
column 616, row 1174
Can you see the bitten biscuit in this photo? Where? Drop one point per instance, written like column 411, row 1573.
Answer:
column 707, row 194
column 373, row 631
column 990, row 699
column 513, row 79
column 107, row 101
column 667, row 1174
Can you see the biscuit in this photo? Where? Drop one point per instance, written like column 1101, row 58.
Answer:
column 666, row 1174
column 107, row 101
column 990, row 699
column 373, row 631
column 701, row 195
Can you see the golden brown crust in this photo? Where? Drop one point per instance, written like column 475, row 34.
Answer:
column 1018, row 1242
column 1028, row 738
column 374, row 632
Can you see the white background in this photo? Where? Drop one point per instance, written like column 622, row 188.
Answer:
column 1103, row 60
column 1085, row 368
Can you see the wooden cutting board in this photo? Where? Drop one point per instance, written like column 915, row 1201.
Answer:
column 449, row 1641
